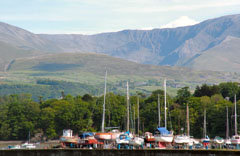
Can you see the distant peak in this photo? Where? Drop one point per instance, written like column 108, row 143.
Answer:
column 180, row 22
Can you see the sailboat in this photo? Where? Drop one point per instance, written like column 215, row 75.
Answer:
column 205, row 140
column 235, row 138
column 184, row 139
column 227, row 140
column 125, row 138
column 161, row 133
column 149, row 137
column 103, row 135
column 28, row 145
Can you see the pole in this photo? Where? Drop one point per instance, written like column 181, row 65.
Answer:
column 165, row 103
column 138, row 114
column 134, row 120
column 205, row 129
column 188, row 124
column 235, row 114
column 104, row 99
column 159, row 113
column 227, row 125
column 127, row 108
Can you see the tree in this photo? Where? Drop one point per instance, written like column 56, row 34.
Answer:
column 206, row 90
column 183, row 95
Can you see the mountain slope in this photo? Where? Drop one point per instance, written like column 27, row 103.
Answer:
column 94, row 65
column 9, row 53
column 159, row 46
column 224, row 57
column 174, row 47
column 24, row 39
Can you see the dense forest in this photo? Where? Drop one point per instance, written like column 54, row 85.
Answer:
column 20, row 114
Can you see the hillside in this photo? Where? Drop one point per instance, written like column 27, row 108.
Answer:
column 94, row 66
column 223, row 57
column 174, row 47
column 9, row 53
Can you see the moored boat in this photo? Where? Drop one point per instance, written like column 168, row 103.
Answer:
column 218, row 140
column 103, row 136
column 136, row 141
column 205, row 140
column 235, row 138
column 123, row 139
column 27, row 145
column 67, row 138
column 182, row 139
column 163, row 135
column 149, row 137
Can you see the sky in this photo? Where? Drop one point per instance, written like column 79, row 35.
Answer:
column 96, row 16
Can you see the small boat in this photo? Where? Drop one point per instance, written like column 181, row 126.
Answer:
column 103, row 136
column 88, row 140
column 163, row 135
column 67, row 138
column 227, row 141
column 149, row 137
column 236, row 138
column 27, row 145
column 14, row 147
column 206, row 140
column 115, row 134
column 123, row 139
column 182, row 139
column 218, row 140
column 136, row 141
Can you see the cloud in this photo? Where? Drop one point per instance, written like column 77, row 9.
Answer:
column 179, row 5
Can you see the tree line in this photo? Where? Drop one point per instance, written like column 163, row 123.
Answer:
column 20, row 114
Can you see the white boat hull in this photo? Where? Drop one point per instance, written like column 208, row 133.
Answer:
column 123, row 141
column 164, row 138
column 219, row 141
column 235, row 139
column 227, row 141
column 182, row 139
column 103, row 136
column 136, row 141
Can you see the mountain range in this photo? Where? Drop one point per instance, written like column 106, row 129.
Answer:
column 210, row 45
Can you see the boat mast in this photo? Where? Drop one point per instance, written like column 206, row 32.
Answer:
column 134, row 120
column 165, row 102
column 104, row 99
column 188, row 125
column 204, row 124
column 227, row 125
column 29, row 139
column 127, row 108
column 159, row 115
column 138, row 113
column 235, row 114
